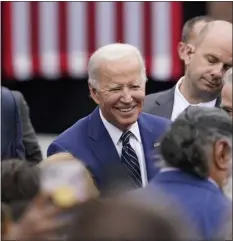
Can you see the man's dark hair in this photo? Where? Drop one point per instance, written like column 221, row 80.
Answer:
column 192, row 136
column 20, row 180
column 189, row 25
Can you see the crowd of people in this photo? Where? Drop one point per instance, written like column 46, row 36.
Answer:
column 155, row 167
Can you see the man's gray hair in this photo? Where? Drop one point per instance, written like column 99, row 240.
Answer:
column 189, row 142
column 113, row 52
column 227, row 78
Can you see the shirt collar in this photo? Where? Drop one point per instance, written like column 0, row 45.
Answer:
column 168, row 169
column 116, row 133
column 178, row 93
column 213, row 181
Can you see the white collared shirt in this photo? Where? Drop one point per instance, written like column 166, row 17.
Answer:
column 180, row 103
column 135, row 142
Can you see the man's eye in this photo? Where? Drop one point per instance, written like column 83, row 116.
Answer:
column 135, row 87
column 115, row 89
column 211, row 60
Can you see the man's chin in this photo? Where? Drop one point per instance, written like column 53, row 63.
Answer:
column 125, row 124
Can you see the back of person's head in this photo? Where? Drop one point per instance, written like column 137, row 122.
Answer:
column 124, row 220
column 62, row 156
column 20, row 180
column 80, row 180
column 197, row 139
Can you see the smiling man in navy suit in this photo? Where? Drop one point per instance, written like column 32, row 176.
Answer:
column 116, row 140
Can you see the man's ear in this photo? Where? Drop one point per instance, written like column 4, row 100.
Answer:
column 222, row 154
column 190, row 50
column 181, row 50
column 94, row 94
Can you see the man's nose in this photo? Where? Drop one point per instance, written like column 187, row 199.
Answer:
column 126, row 96
column 218, row 71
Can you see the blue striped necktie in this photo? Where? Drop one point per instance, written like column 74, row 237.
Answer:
column 130, row 160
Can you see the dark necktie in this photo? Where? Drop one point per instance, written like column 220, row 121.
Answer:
column 130, row 160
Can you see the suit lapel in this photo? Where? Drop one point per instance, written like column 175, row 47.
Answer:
column 149, row 141
column 100, row 141
column 164, row 104
column 105, row 152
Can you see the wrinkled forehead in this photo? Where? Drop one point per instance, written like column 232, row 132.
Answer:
column 121, row 71
column 219, row 47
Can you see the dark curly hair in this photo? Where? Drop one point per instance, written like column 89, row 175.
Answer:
column 186, row 144
column 20, row 180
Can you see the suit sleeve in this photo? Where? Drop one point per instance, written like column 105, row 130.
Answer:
column 32, row 148
column 149, row 103
column 19, row 147
column 54, row 148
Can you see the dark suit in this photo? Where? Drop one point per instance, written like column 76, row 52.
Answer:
column 202, row 203
column 161, row 103
column 11, row 132
column 31, row 145
column 89, row 141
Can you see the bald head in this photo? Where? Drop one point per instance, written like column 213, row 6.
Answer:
column 207, row 60
column 215, row 30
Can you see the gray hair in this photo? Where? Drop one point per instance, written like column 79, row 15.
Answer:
column 189, row 142
column 112, row 52
column 227, row 78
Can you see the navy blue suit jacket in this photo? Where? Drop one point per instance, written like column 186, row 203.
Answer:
column 11, row 132
column 201, row 201
column 89, row 141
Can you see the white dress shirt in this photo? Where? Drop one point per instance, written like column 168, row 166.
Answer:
column 180, row 103
column 135, row 142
